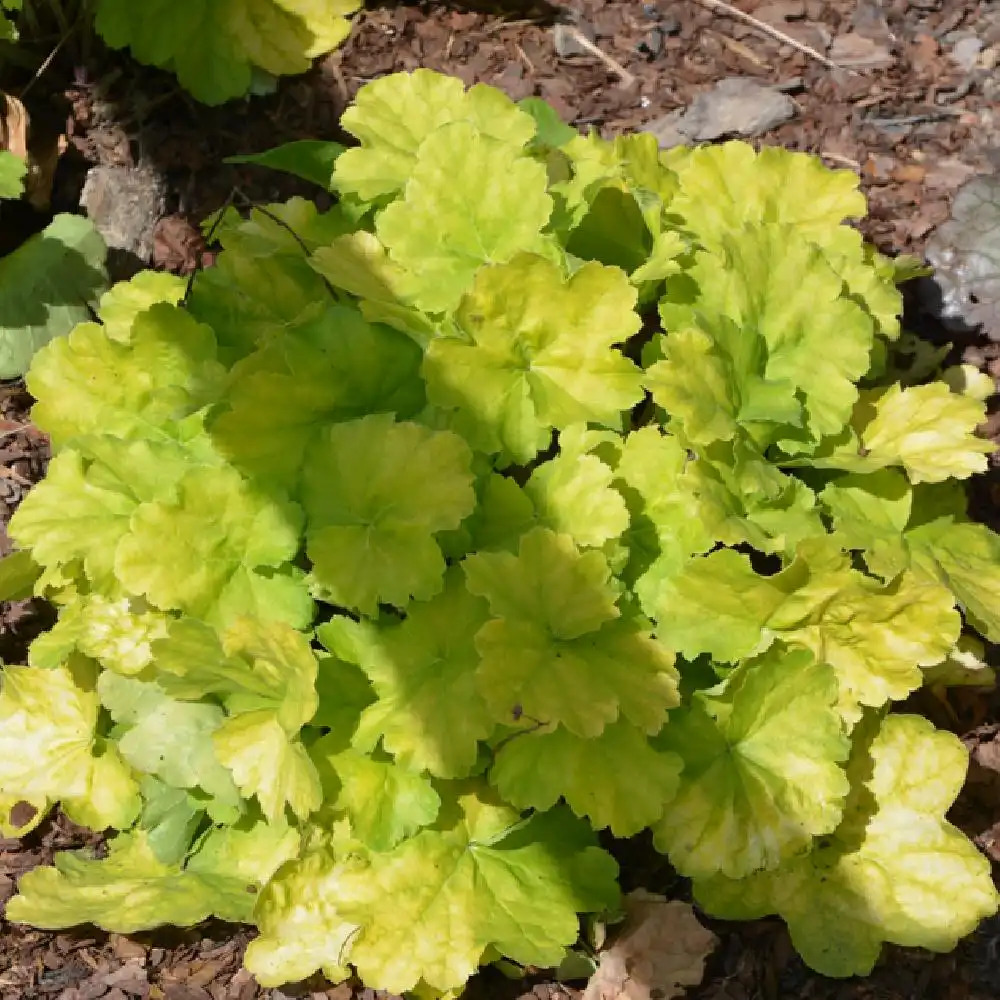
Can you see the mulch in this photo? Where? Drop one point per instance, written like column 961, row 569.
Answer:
column 911, row 118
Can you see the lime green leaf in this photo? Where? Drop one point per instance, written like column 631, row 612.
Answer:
column 169, row 739
column 49, row 751
column 875, row 637
column 48, row 286
column 310, row 159
column 669, row 519
column 444, row 195
column 88, row 383
column 83, row 507
column 762, row 772
column 539, row 354
column 773, row 284
column 124, row 301
column 267, row 764
column 128, row 891
column 113, row 797
column 870, row 513
column 301, row 929
column 213, row 46
column 429, row 713
column 227, row 546
column 384, row 802
column 13, row 169
column 550, row 129
column 894, row 871
column 18, row 574
column 336, row 368
column 251, row 852
column 394, row 115
column 254, row 665
column 928, row 430
column 556, row 649
column 617, row 780
column 966, row 559
column 573, row 496
column 479, row 878
column 717, row 605
column 375, row 492
column 721, row 187
column 117, row 633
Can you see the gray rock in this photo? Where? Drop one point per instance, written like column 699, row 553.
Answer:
column 124, row 204
column 565, row 42
column 965, row 53
column 734, row 106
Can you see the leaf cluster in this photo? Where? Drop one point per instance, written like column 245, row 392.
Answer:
column 543, row 485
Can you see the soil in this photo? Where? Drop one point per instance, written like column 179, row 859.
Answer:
column 912, row 118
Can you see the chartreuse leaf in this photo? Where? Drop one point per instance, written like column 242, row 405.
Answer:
column 393, row 116
column 539, row 354
column 375, row 493
column 167, row 738
column 13, row 169
column 557, row 648
column 228, row 551
column 119, row 634
column 480, row 878
column 18, row 574
column 573, row 496
column 310, row 159
column 929, row 431
column 84, row 506
column 876, row 637
column 669, row 519
column 870, row 513
column 49, row 750
column 301, row 927
column 618, row 780
column 722, row 187
column 428, row 713
column 769, row 282
column 47, row 286
column 90, row 383
column 124, row 302
column 384, row 802
column 336, row 368
column 762, row 772
column 965, row 558
column 894, row 870
column 213, row 46
column 133, row 890
column 429, row 908
column 483, row 198
column 717, row 605
column 268, row 763
column 253, row 665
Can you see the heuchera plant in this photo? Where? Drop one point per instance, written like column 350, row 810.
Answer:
column 544, row 485
column 214, row 45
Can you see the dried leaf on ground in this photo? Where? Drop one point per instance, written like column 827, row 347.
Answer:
column 660, row 951
column 40, row 152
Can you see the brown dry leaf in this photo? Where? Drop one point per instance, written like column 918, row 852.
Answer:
column 660, row 951
column 40, row 152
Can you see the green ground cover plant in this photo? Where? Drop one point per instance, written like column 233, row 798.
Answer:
column 214, row 47
column 544, row 485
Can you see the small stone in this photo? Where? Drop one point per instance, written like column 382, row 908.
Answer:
column 564, row 39
column 734, row 106
column 652, row 44
column 859, row 52
column 965, row 53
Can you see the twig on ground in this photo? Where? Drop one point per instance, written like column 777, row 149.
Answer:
column 46, row 63
column 616, row 67
column 726, row 8
column 844, row 161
